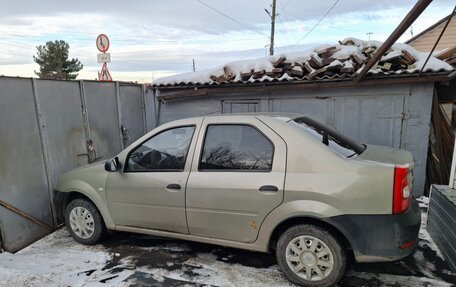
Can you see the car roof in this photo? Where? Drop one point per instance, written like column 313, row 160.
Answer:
column 258, row 114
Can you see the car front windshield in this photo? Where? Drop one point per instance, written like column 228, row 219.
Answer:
column 340, row 143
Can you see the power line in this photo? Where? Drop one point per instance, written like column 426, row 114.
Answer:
column 319, row 21
column 232, row 19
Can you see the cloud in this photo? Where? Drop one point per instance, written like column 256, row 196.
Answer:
column 164, row 36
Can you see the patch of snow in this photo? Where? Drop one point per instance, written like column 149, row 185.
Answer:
column 388, row 280
column 335, row 63
column 53, row 261
column 424, row 235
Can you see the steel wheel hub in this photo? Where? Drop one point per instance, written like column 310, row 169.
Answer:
column 81, row 222
column 309, row 258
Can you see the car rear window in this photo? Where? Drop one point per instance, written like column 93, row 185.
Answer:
column 340, row 143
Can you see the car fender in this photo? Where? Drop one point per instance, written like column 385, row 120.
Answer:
column 97, row 197
column 297, row 208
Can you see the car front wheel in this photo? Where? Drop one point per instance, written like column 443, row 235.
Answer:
column 310, row 256
column 84, row 221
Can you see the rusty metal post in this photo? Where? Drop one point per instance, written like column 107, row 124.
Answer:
column 416, row 11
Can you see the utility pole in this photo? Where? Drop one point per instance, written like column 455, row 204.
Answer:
column 193, row 64
column 272, row 15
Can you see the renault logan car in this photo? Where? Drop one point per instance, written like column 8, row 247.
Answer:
column 272, row 183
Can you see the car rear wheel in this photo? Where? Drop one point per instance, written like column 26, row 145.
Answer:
column 310, row 256
column 84, row 221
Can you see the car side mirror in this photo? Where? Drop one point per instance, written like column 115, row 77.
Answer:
column 112, row 165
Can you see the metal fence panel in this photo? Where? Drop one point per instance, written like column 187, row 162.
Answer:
column 442, row 220
column 132, row 113
column 150, row 107
column 60, row 105
column 44, row 126
column 23, row 179
column 104, row 129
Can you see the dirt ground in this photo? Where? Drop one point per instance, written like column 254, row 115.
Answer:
column 125, row 259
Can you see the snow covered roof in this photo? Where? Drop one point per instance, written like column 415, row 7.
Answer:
column 324, row 62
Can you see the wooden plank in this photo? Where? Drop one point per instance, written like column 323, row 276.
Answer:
column 258, row 74
column 273, row 74
column 328, row 61
column 385, row 66
column 409, row 57
column 347, row 70
column 335, row 65
column 287, row 66
column 315, row 62
column 297, row 71
column 279, row 62
column 245, row 76
column 447, row 53
column 183, row 94
column 414, row 13
column 308, row 67
column 357, row 58
column 329, row 53
column 228, row 73
column 324, row 50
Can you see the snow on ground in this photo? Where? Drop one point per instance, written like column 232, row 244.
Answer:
column 138, row 260
column 55, row 260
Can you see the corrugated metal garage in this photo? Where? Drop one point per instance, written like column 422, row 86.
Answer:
column 396, row 115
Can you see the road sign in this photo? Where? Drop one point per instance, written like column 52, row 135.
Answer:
column 102, row 43
column 104, row 75
column 104, row 58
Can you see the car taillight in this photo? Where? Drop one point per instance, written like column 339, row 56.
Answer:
column 401, row 190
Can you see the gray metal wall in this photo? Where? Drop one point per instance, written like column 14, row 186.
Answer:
column 44, row 129
column 442, row 221
column 393, row 115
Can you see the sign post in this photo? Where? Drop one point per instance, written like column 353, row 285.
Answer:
column 103, row 46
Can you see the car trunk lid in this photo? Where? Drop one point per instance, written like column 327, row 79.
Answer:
column 394, row 156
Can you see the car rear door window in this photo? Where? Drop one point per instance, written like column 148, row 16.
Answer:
column 166, row 151
column 236, row 147
column 338, row 142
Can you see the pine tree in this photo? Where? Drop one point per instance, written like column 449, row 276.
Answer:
column 54, row 63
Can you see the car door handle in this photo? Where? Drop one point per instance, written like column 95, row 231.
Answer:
column 173, row 186
column 269, row 188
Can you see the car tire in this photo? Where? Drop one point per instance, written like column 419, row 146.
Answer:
column 309, row 249
column 84, row 221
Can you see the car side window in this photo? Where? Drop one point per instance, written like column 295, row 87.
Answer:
column 236, row 147
column 166, row 151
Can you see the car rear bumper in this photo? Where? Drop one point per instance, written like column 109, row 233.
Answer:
column 379, row 238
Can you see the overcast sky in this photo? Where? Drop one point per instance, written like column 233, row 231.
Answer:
column 151, row 39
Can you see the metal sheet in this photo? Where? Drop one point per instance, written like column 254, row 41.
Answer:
column 60, row 104
column 319, row 109
column 442, row 220
column 104, row 129
column 132, row 113
column 23, row 180
column 374, row 119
